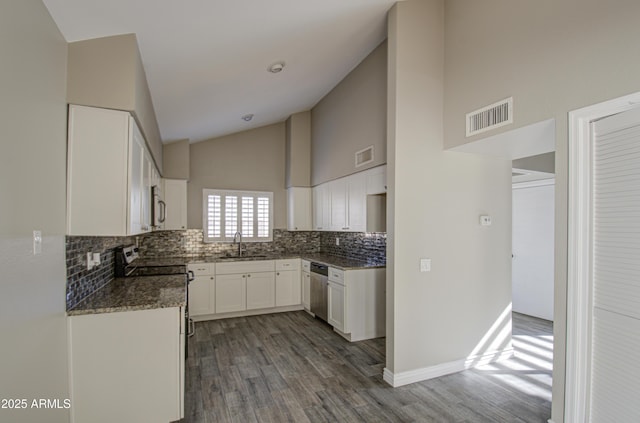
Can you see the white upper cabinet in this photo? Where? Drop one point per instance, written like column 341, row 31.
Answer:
column 299, row 209
column 348, row 203
column 341, row 204
column 376, row 180
column 175, row 197
column 108, row 174
column 321, row 207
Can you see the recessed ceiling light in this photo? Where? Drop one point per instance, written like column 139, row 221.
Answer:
column 276, row 67
column 248, row 117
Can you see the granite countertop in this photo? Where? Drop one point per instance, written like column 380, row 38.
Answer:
column 340, row 262
column 329, row 260
column 135, row 293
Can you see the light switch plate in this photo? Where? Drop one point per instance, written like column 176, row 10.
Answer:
column 37, row 242
column 485, row 220
column 425, row 265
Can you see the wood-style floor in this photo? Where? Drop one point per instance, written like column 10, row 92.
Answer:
column 289, row 367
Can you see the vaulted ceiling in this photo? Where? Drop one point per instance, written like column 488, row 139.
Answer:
column 207, row 60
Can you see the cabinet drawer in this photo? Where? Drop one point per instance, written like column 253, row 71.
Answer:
column 306, row 266
column 199, row 269
column 229, row 268
column 336, row 275
column 288, row 264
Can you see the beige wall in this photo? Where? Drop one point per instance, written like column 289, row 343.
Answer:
column 298, row 150
column 176, row 159
column 540, row 163
column 553, row 57
column 33, row 350
column 434, row 202
column 350, row 118
column 107, row 72
column 253, row 160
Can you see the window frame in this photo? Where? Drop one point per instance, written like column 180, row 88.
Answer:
column 239, row 194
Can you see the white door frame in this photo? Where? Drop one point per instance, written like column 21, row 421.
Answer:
column 579, row 270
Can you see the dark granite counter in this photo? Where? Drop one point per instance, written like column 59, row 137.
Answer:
column 340, row 262
column 329, row 260
column 135, row 293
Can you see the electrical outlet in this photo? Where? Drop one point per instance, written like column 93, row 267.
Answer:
column 425, row 265
column 37, row 242
column 337, row 241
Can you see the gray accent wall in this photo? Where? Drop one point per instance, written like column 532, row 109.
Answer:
column 350, row 118
column 298, row 150
column 252, row 160
column 436, row 320
column 176, row 159
column 32, row 187
column 553, row 57
column 108, row 72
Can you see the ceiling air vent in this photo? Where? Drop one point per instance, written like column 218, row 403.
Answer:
column 490, row 117
column 364, row 156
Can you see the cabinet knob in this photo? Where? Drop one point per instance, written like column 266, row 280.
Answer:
column 278, row 274
column 211, row 277
column 248, row 276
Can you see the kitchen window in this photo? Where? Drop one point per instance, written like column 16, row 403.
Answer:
column 226, row 212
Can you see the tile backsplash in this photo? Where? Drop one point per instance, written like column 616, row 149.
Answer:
column 369, row 247
column 82, row 282
column 190, row 243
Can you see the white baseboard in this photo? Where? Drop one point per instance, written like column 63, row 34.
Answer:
column 244, row 313
column 426, row 373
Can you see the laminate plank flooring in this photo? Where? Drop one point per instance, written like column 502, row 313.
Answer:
column 290, row 367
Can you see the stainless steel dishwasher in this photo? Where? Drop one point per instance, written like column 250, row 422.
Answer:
column 319, row 290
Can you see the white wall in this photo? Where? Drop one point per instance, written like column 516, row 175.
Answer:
column 33, row 352
column 533, row 249
column 552, row 56
column 434, row 202
column 350, row 118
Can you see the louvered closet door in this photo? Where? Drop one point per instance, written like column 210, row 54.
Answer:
column 615, row 359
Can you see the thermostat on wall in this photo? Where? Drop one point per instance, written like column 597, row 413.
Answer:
column 485, row 220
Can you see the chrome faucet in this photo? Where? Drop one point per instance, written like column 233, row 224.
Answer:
column 237, row 236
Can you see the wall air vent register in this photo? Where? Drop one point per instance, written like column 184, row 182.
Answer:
column 364, row 156
column 490, row 117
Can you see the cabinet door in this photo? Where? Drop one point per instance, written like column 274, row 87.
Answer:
column 202, row 295
column 136, row 182
column 287, row 288
column 147, row 165
column 260, row 290
column 97, row 172
column 336, row 299
column 357, row 202
column 139, row 375
column 321, row 207
column 377, row 180
column 299, row 209
column 230, row 293
column 338, row 204
column 175, row 197
column 306, row 290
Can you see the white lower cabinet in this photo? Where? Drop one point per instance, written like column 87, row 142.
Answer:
column 288, row 282
column 357, row 303
column 336, row 306
column 245, row 286
column 231, row 293
column 306, row 284
column 202, row 290
column 261, row 289
column 127, row 366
